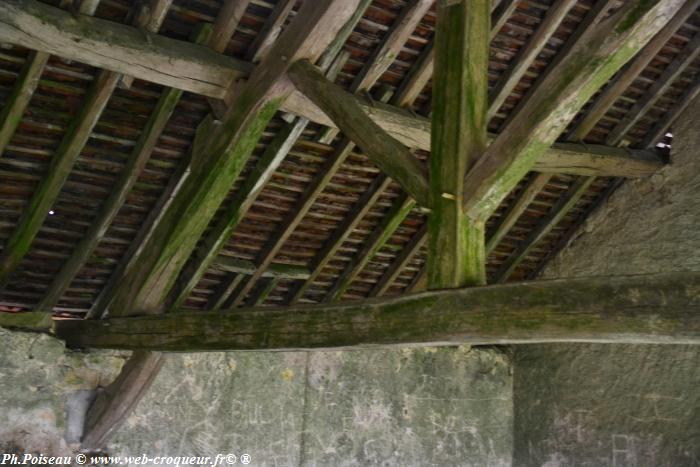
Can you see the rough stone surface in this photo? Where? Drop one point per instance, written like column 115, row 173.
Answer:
column 38, row 379
column 614, row 405
column 417, row 407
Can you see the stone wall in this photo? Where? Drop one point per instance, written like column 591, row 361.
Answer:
column 44, row 391
column 412, row 407
column 616, row 405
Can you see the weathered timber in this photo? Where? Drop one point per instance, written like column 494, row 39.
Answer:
column 35, row 321
column 191, row 67
column 508, row 81
column 236, row 209
column 274, row 153
column 13, row 109
column 655, row 308
column 599, row 160
column 274, row 270
column 384, row 56
column 406, row 255
column 119, row 48
column 380, row 235
column 145, row 288
column 417, row 78
column 224, row 291
column 270, row 31
column 510, row 217
column 546, row 224
column 226, row 23
column 500, row 15
column 598, row 54
column 660, row 128
column 657, row 89
column 119, row 192
column 149, row 18
column 62, row 161
column 456, row 255
column 111, row 407
column 386, row 152
column 341, row 233
column 130, row 259
column 628, row 74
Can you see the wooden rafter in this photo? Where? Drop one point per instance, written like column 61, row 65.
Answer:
column 224, row 154
column 61, row 164
column 27, row 81
column 658, row 130
column 599, row 53
column 117, row 196
column 394, row 270
column 390, row 47
column 629, row 73
column 563, row 310
column 380, row 235
column 556, row 214
column 122, row 48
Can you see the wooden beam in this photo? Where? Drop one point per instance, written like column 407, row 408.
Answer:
column 223, row 156
column 417, row 78
column 383, row 56
column 522, row 61
column 270, row 31
column 386, row 152
column 510, row 217
column 13, row 109
column 599, row 160
column 456, row 255
column 659, row 129
column 119, row 48
column 599, row 53
column 656, row 91
column 380, row 235
column 188, row 66
column 628, row 74
column 62, row 161
column 654, row 309
column 111, row 407
column 273, row 271
column 394, row 270
column 32, row 321
column 500, row 15
column 119, row 192
column 236, row 210
column 545, row 225
column 226, row 23
column 341, row 233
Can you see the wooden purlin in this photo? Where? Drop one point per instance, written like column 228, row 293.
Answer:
column 332, row 60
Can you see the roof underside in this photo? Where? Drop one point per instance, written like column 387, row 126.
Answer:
column 60, row 95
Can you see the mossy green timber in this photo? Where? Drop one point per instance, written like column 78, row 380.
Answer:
column 654, row 308
column 598, row 54
column 460, row 100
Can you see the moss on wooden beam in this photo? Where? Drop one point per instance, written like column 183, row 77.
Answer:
column 599, row 53
column 456, row 255
column 221, row 157
column 387, row 153
column 35, row 321
column 655, row 308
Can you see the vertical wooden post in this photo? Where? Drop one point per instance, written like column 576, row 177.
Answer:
column 460, row 101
